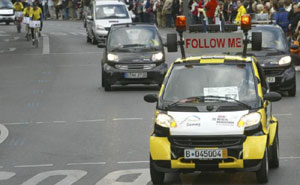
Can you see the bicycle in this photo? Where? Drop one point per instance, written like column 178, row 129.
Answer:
column 19, row 17
column 36, row 26
column 26, row 21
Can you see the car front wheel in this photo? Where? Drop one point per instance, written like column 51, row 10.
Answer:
column 274, row 153
column 156, row 176
column 292, row 92
column 263, row 173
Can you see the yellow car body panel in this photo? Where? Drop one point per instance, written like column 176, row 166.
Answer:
column 160, row 148
column 254, row 147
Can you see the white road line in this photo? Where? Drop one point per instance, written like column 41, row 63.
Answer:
column 73, row 164
column 46, row 45
column 132, row 162
column 73, row 33
column 287, row 114
column 16, row 123
column 12, row 49
column 33, row 166
column 90, row 121
column 291, row 157
column 126, row 119
column 59, row 122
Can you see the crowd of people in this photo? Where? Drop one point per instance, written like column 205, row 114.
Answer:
column 285, row 13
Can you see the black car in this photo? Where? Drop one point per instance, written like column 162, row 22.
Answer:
column 134, row 54
column 275, row 58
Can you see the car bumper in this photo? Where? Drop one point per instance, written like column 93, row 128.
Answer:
column 284, row 80
column 116, row 76
column 7, row 18
column 244, row 157
column 101, row 35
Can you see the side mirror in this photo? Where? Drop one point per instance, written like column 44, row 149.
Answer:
column 101, row 45
column 151, row 98
column 172, row 42
column 294, row 47
column 272, row 96
column 256, row 41
column 89, row 17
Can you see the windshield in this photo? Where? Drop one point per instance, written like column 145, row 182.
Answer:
column 139, row 37
column 226, row 80
column 111, row 12
column 5, row 4
column 272, row 38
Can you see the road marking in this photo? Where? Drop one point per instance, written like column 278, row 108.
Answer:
column 33, row 166
column 16, row 123
column 113, row 178
column 90, row 121
column 126, row 119
column 73, row 33
column 4, row 133
column 12, row 49
column 73, row 164
column 291, row 157
column 59, row 121
column 6, row 175
column 132, row 162
column 287, row 114
column 46, row 45
column 72, row 176
column 6, row 40
column 58, row 33
column 41, row 122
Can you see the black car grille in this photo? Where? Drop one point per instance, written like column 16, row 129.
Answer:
column 273, row 71
column 135, row 66
column 204, row 141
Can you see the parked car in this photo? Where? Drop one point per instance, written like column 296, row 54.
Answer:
column 7, row 14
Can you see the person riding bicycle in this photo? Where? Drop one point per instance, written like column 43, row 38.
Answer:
column 36, row 15
column 18, row 7
column 27, row 12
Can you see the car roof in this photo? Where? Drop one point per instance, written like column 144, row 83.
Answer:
column 110, row 2
column 215, row 59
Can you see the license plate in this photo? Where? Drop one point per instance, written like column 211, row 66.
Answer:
column 205, row 153
column 271, row 79
column 135, row 75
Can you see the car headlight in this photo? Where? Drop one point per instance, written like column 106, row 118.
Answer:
column 249, row 119
column 112, row 57
column 285, row 60
column 157, row 57
column 165, row 120
column 99, row 27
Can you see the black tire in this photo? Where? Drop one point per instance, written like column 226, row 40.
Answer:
column 88, row 40
column 107, row 86
column 19, row 27
column 156, row 176
column 103, row 78
column 7, row 23
column 292, row 92
column 274, row 153
column 263, row 173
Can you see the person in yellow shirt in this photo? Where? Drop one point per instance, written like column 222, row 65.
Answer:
column 241, row 11
column 27, row 11
column 18, row 6
column 36, row 15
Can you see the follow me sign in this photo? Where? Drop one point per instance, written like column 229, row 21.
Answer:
column 203, row 43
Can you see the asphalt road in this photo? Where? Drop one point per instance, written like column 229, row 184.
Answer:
column 58, row 126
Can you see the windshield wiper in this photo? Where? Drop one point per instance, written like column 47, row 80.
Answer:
column 202, row 98
column 133, row 45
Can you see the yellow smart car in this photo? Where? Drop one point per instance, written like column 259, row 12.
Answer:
column 214, row 112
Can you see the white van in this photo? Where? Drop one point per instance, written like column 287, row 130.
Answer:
column 103, row 15
column 7, row 14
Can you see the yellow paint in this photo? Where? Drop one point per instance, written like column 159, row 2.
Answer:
column 177, row 164
column 264, row 120
column 161, row 90
column 272, row 131
column 259, row 89
column 235, row 164
column 254, row 147
column 169, row 70
column 160, row 148
column 212, row 61
column 215, row 57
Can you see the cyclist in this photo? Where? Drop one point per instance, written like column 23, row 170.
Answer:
column 36, row 15
column 27, row 13
column 18, row 7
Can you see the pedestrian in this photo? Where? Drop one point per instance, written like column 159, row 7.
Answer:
column 167, row 11
column 220, row 15
column 241, row 11
column 148, row 11
column 175, row 9
column 73, row 7
column 44, row 8
column 210, row 7
column 281, row 17
column 139, row 7
column 295, row 19
column 51, row 9
column 158, row 10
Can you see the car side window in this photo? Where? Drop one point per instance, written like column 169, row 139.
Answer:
column 262, row 75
